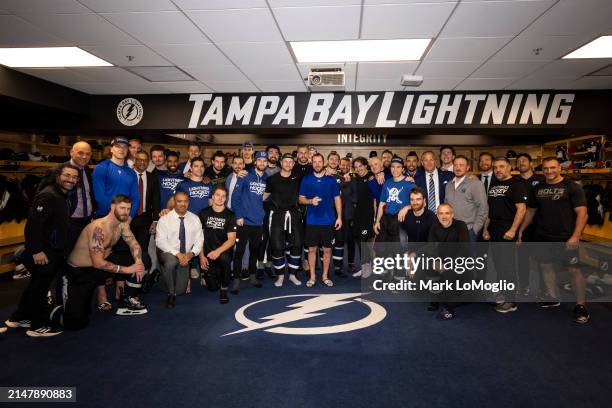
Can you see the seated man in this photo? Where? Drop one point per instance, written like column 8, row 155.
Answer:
column 178, row 238
column 88, row 266
column 219, row 225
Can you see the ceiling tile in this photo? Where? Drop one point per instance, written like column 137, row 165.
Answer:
column 16, row 32
column 593, row 82
column 493, row 18
column 81, row 29
column 446, row 69
column 436, row 84
column 184, row 87
column 62, row 76
column 606, row 71
column 571, row 68
column 191, row 54
column 523, row 48
column 43, row 6
column 476, row 84
column 404, row 21
column 219, row 4
column 377, row 2
column 507, row 69
column 166, row 27
column 117, row 88
column 465, row 49
column 161, row 74
column 206, row 73
column 118, row 55
column 538, row 82
column 281, row 86
column 270, row 72
column 319, row 23
column 232, row 86
column 313, row 3
column 574, row 17
column 385, row 70
column 114, row 6
column 367, row 85
column 107, row 74
column 273, row 53
column 237, row 25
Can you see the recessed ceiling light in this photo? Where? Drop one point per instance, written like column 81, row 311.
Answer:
column 49, row 57
column 359, row 50
column 598, row 48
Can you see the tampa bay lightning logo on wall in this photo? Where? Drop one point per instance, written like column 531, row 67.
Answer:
column 129, row 111
column 286, row 322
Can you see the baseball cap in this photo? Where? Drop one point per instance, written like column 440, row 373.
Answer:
column 397, row 160
column 247, row 144
column 120, row 139
column 261, row 153
column 288, row 156
column 373, row 153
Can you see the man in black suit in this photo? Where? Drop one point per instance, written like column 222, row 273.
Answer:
column 81, row 198
column 485, row 165
column 432, row 180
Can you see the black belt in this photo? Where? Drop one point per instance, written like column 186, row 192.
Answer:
column 83, row 220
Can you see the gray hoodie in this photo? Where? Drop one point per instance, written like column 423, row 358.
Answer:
column 469, row 202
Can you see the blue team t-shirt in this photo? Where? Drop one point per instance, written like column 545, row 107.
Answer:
column 198, row 192
column 326, row 189
column 396, row 195
column 167, row 185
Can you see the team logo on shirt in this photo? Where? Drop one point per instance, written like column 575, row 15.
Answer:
column 394, row 195
column 498, row 191
column 215, row 223
column 257, row 188
column 282, row 322
column 170, row 183
column 554, row 194
column 199, row 192
column 129, row 111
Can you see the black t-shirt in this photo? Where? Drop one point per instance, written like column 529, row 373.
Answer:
column 532, row 181
column 503, row 197
column 300, row 170
column 217, row 178
column 417, row 228
column 456, row 232
column 364, row 207
column 283, row 191
column 556, row 218
column 216, row 226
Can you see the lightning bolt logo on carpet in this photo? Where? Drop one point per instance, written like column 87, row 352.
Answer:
column 308, row 309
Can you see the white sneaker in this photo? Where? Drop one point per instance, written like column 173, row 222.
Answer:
column 279, row 281
column 357, row 274
column 294, row 280
column 366, row 270
column 3, row 329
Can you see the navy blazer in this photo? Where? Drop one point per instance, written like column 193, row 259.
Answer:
column 444, row 177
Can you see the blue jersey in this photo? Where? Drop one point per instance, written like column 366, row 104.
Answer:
column 109, row 180
column 167, row 185
column 247, row 198
column 198, row 192
column 326, row 189
column 396, row 195
column 376, row 189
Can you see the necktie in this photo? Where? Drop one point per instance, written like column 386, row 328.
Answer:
column 82, row 176
column 431, row 196
column 183, row 247
column 486, row 183
column 141, row 192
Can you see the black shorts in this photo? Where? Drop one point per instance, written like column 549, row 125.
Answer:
column 319, row 235
column 555, row 252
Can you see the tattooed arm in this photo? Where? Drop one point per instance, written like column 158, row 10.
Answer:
column 130, row 240
column 96, row 251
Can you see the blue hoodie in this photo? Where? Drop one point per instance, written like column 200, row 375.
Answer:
column 247, row 198
column 109, row 180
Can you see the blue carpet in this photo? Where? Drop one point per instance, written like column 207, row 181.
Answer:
column 180, row 357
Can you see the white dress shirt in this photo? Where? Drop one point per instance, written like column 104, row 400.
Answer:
column 232, row 186
column 436, row 185
column 167, row 233
column 458, row 181
column 143, row 199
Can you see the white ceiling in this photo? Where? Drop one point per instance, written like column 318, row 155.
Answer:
column 241, row 45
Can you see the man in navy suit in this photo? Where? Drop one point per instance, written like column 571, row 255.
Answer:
column 485, row 165
column 432, row 180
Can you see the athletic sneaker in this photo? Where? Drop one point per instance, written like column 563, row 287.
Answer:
column 254, row 281
column 244, row 274
column 581, row 314
column 26, row 324
column 223, row 298
column 279, row 281
column 366, row 270
column 294, row 280
column 3, row 329
column 357, row 274
column 129, row 306
column 235, row 286
column 45, row 331
column 21, row 273
column 506, row 307
column 548, row 302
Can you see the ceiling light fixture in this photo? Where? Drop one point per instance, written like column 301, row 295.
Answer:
column 49, row 57
column 359, row 50
column 598, row 48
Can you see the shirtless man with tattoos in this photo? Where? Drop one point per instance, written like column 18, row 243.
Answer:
column 89, row 266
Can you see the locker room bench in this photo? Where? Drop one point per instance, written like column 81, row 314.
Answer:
column 11, row 237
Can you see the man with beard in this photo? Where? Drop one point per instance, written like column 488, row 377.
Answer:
column 485, row 165
column 232, row 179
column 363, row 214
column 507, row 206
column 219, row 225
column 273, row 153
column 531, row 180
column 273, row 167
column 247, row 204
column 447, row 155
column 247, row 155
column 218, row 172
column 412, row 164
column 89, row 266
column 302, row 165
column 198, row 191
column 419, row 219
column 158, row 159
column 193, row 151
column 285, row 224
column 321, row 194
column 45, row 245
column 387, row 155
column 169, row 179
column 135, row 147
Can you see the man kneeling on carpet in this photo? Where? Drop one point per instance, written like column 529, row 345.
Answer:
column 219, row 225
column 89, row 267
column 179, row 239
